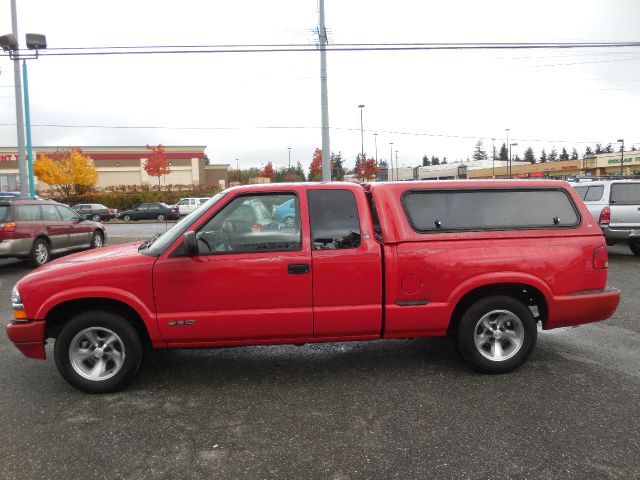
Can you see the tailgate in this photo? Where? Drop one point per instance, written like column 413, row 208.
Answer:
column 625, row 205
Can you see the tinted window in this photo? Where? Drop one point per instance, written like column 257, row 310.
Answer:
column 582, row 191
column 334, row 219
column 244, row 226
column 433, row 210
column 4, row 210
column 50, row 213
column 625, row 193
column 67, row 213
column 28, row 212
column 594, row 193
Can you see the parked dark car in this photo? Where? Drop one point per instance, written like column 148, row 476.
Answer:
column 95, row 211
column 150, row 211
column 37, row 229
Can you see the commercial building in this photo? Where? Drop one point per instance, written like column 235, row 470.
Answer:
column 125, row 166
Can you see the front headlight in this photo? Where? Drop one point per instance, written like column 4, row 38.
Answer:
column 16, row 301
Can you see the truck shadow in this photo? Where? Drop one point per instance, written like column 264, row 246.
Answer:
column 291, row 364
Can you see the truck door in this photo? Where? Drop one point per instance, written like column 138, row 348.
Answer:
column 346, row 262
column 250, row 281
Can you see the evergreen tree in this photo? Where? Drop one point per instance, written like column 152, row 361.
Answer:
column 299, row 170
column 587, row 152
column 337, row 169
column 425, row 161
column 444, row 160
column 435, row 160
column 553, row 155
column 543, row 156
column 529, row 156
column 633, row 148
column 564, row 155
column 608, row 148
column 599, row 148
column 574, row 154
column 504, row 153
column 479, row 153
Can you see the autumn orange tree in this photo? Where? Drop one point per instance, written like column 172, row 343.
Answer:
column 366, row 169
column 67, row 172
column 157, row 164
column 268, row 172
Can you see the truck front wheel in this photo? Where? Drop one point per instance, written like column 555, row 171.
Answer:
column 98, row 352
column 496, row 334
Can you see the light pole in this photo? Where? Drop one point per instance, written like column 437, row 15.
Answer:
column 9, row 43
column 361, row 107
column 396, row 165
column 289, row 148
column 391, row 159
column 621, row 140
column 375, row 141
column 238, row 169
column 493, row 159
column 511, row 145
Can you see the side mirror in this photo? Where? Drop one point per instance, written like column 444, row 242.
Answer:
column 191, row 243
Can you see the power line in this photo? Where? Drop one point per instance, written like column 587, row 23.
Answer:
column 303, row 47
column 297, row 127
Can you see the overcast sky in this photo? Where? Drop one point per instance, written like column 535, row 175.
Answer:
column 254, row 106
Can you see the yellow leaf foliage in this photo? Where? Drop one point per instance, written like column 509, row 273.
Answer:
column 67, row 171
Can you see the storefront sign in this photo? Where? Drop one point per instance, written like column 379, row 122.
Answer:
column 8, row 157
column 626, row 160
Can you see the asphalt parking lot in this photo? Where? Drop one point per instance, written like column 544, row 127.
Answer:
column 365, row 410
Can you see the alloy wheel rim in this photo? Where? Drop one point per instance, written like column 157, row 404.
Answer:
column 96, row 354
column 499, row 335
column 97, row 242
column 41, row 253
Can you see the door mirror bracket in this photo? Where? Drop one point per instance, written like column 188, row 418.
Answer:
column 191, row 243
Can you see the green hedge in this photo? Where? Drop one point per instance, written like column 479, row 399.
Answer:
column 126, row 200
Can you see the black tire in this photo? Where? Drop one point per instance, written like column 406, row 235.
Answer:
column 635, row 248
column 95, row 217
column 496, row 334
column 40, row 253
column 126, row 218
column 88, row 333
column 97, row 239
column 161, row 217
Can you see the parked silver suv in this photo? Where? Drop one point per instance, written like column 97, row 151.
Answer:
column 615, row 205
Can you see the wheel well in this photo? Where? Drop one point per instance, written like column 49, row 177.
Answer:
column 528, row 295
column 62, row 313
column 42, row 237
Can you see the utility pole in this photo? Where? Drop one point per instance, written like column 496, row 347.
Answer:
column 324, row 97
column 396, row 164
column 493, row 158
column 391, row 159
column 17, row 80
column 375, row 140
column 289, row 157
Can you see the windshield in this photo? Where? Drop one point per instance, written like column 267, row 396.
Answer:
column 167, row 238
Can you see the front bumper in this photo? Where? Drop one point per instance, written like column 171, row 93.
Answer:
column 28, row 337
column 582, row 307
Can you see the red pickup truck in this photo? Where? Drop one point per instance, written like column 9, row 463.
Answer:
column 481, row 261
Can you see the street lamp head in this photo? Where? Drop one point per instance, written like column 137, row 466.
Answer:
column 514, row 144
column 620, row 140
column 36, row 41
column 8, row 42
column 360, row 106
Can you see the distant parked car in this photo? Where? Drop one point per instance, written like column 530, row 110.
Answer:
column 36, row 229
column 188, row 205
column 285, row 213
column 150, row 211
column 615, row 205
column 96, row 211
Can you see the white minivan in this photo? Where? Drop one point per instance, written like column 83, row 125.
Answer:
column 188, row 205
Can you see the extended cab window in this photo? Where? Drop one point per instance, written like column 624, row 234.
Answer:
column 594, row 193
column 335, row 223
column 440, row 210
column 625, row 193
column 247, row 226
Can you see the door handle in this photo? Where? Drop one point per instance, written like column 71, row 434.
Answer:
column 298, row 268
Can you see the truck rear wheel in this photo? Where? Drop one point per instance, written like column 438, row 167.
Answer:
column 496, row 334
column 635, row 248
column 98, row 352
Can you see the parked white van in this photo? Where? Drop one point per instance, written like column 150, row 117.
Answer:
column 188, row 205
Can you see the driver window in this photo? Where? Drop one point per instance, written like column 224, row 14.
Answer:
column 253, row 224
